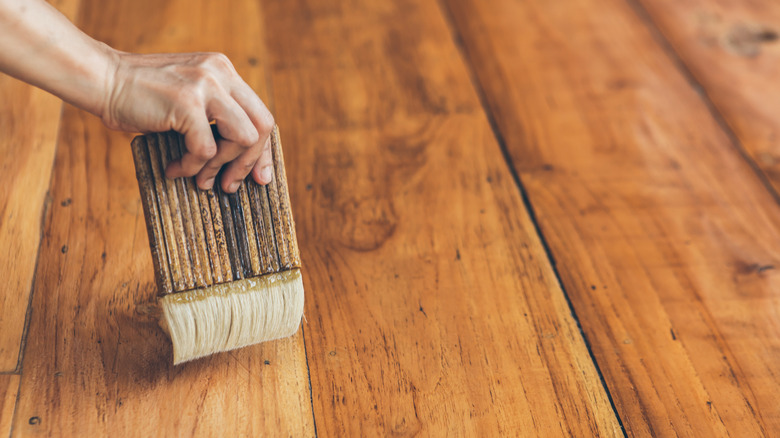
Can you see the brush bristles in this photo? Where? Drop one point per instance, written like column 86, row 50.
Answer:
column 233, row 315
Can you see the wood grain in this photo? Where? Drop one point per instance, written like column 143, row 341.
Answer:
column 732, row 49
column 665, row 239
column 431, row 306
column 96, row 364
column 9, row 388
column 29, row 119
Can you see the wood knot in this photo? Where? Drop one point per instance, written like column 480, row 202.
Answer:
column 367, row 223
column 745, row 268
column 148, row 311
column 746, row 39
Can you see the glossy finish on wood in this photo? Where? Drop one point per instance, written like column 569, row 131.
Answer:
column 431, row 306
column 29, row 119
column 665, row 238
column 92, row 348
column 96, row 363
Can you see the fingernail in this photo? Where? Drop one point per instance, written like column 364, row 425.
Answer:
column 234, row 186
column 209, row 183
column 266, row 174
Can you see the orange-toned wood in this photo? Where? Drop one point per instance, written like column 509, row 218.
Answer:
column 732, row 48
column 96, row 363
column 431, row 305
column 29, row 119
column 9, row 386
column 665, row 238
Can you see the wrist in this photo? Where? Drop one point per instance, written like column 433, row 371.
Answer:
column 110, row 60
column 81, row 72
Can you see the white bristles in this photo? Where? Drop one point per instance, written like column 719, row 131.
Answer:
column 233, row 315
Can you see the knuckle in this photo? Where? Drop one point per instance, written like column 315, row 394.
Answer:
column 200, row 79
column 219, row 61
column 251, row 137
column 188, row 97
column 204, row 153
column 207, row 82
column 207, row 154
column 245, row 137
column 267, row 122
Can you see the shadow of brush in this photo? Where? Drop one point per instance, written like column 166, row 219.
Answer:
column 133, row 349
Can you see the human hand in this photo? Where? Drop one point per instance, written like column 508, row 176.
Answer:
column 146, row 93
column 184, row 92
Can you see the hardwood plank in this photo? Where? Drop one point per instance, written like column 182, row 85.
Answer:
column 664, row 237
column 732, row 50
column 9, row 387
column 29, row 119
column 96, row 364
column 432, row 307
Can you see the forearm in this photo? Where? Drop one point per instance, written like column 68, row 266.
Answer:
column 144, row 93
column 40, row 46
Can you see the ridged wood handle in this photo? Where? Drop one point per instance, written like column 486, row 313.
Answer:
column 200, row 238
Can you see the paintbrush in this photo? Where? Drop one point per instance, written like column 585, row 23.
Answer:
column 227, row 265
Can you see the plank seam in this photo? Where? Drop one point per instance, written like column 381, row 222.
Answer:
column 44, row 214
column 678, row 61
column 47, row 203
column 16, row 406
column 308, row 373
column 499, row 137
column 668, row 48
column 270, row 103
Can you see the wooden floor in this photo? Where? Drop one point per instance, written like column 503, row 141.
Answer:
column 516, row 218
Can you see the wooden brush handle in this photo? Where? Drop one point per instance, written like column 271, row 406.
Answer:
column 201, row 238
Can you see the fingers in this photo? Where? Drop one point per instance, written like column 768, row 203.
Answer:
column 239, row 138
column 205, row 156
column 243, row 121
column 235, row 172
column 262, row 167
column 200, row 146
column 255, row 108
column 233, row 122
column 263, row 171
column 255, row 156
column 227, row 152
column 234, row 126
